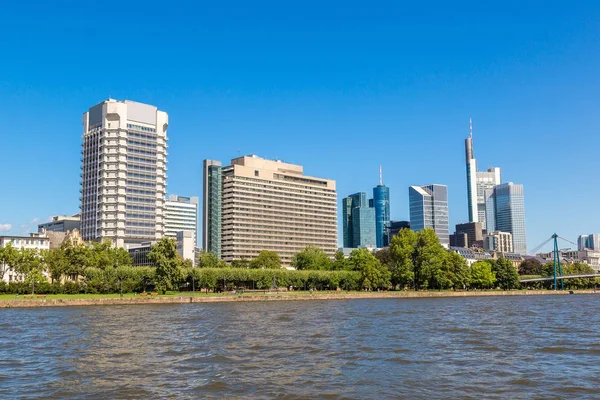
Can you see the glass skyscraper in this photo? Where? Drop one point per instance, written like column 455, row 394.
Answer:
column 358, row 221
column 478, row 183
column 381, row 202
column 429, row 209
column 363, row 227
column 212, row 206
column 506, row 205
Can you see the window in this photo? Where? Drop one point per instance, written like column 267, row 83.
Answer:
column 255, row 172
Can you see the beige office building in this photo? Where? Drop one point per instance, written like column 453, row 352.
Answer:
column 271, row 205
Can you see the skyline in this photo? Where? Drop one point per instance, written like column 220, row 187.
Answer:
column 338, row 90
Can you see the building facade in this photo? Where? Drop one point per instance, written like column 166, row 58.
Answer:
column 381, row 203
column 506, row 213
column 61, row 223
column 498, row 241
column 429, row 209
column 123, row 172
column 212, row 203
column 363, row 227
column 478, row 183
column 589, row 242
column 473, row 231
column 358, row 221
column 272, row 205
column 395, row 228
column 36, row 241
column 181, row 214
column 459, row 239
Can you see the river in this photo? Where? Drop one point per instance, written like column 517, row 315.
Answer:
column 517, row 347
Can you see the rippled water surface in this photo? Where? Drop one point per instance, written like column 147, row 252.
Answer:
column 518, row 347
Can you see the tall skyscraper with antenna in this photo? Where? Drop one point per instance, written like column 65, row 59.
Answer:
column 381, row 202
column 478, row 183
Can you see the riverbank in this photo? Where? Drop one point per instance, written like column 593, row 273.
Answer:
column 77, row 300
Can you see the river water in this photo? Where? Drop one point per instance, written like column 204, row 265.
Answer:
column 479, row 347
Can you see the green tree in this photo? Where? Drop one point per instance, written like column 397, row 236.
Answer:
column 207, row 259
column 429, row 259
column 402, row 254
column 456, row 271
column 56, row 263
column 340, row 262
column 506, row 274
column 8, row 258
column 312, row 258
column 163, row 255
column 266, row 259
column 482, row 275
column 530, row 266
column 373, row 274
column 30, row 265
column 241, row 263
column 578, row 283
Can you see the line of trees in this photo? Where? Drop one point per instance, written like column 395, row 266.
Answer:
column 414, row 260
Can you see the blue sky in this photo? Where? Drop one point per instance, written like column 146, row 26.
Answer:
column 339, row 87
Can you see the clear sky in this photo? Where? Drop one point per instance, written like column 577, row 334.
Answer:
column 339, row 87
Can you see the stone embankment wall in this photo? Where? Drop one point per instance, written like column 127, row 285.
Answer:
column 269, row 297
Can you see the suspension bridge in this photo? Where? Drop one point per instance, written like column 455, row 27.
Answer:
column 558, row 275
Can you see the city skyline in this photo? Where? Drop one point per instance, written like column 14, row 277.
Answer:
column 371, row 86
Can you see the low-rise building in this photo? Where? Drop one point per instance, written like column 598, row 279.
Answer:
column 61, row 223
column 34, row 241
column 498, row 241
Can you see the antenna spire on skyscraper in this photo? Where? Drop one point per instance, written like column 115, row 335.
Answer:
column 471, row 127
column 380, row 177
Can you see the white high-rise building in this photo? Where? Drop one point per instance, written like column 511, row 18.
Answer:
column 478, row 183
column 181, row 214
column 123, row 172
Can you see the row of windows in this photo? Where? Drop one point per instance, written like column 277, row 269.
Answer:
column 140, row 183
column 140, row 200
column 141, row 136
column 141, row 168
column 141, row 144
column 140, row 128
column 139, row 208
column 277, row 186
column 139, row 232
column 326, row 192
column 140, row 216
column 144, row 152
column 140, row 224
column 142, row 176
column 141, row 160
column 138, row 191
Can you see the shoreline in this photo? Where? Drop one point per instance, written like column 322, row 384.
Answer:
column 228, row 298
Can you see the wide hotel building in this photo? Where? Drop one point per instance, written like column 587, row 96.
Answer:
column 270, row 205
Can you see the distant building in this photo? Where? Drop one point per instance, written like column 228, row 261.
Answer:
column 429, row 209
column 123, row 172
column 212, row 207
column 478, row 183
column 363, row 227
column 381, row 203
column 35, row 241
column 348, row 205
column 498, row 241
column 61, row 223
column 272, row 205
column 358, row 223
column 473, row 231
column 185, row 246
column 590, row 242
column 472, row 256
column 589, row 257
column 139, row 254
column 506, row 213
column 395, row 228
column 459, row 239
column 181, row 214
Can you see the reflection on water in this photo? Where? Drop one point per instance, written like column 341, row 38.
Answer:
column 520, row 347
